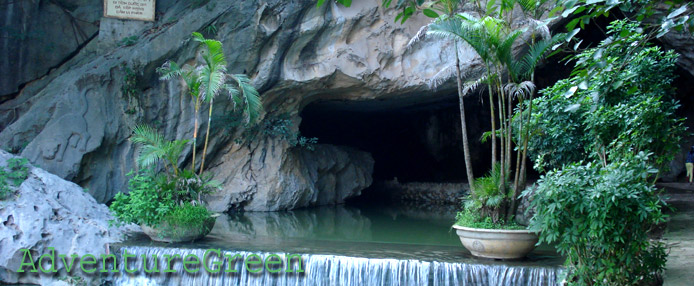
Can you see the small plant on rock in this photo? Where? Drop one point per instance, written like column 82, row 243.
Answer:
column 13, row 176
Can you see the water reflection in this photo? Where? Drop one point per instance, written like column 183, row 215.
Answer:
column 365, row 223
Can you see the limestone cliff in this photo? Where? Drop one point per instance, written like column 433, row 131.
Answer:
column 70, row 109
column 76, row 120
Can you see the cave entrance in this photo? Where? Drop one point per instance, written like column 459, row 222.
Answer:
column 409, row 141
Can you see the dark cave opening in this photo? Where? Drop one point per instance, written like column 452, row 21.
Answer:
column 415, row 143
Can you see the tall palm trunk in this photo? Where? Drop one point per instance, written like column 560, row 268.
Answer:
column 195, row 131
column 463, row 123
column 502, row 120
column 527, row 137
column 493, row 119
column 509, row 129
column 519, row 154
column 207, row 137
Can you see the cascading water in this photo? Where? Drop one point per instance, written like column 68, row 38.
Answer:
column 324, row 269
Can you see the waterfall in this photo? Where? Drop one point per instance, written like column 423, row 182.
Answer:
column 323, row 269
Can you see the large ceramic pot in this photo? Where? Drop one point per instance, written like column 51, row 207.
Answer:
column 165, row 232
column 497, row 243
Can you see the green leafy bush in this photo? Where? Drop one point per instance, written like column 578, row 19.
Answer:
column 188, row 215
column 599, row 218
column 606, row 133
column 470, row 217
column 13, row 175
column 484, row 207
column 166, row 196
column 617, row 102
column 156, row 198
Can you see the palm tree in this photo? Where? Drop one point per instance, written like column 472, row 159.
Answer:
column 207, row 79
column 155, row 148
column 214, row 79
column 448, row 8
column 191, row 78
column 493, row 40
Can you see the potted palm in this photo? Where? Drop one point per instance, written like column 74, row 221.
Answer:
column 482, row 225
column 167, row 205
column 486, row 224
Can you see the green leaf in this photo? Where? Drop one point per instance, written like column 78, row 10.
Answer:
column 430, row 13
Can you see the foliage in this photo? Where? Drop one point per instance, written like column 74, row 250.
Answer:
column 155, row 148
column 507, row 75
column 209, row 78
column 486, row 197
column 485, row 206
column 128, row 41
column 156, row 198
column 272, row 126
column 13, row 175
column 657, row 17
column 595, row 130
column 599, row 218
column 469, row 217
column 211, row 29
column 130, row 82
column 145, row 204
column 625, row 110
column 188, row 215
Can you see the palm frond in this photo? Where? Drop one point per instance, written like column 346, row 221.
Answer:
column 519, row 90
column 211, row 82
column 536, row 53
column 460, row 29
column 421, row 34
column 504, row 51
column 169, row 70
column 153, row 145
column 443, row 75
column 251, row 98
column 471, row 86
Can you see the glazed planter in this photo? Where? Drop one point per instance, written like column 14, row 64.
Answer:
column 497, row 243
column 165, row 232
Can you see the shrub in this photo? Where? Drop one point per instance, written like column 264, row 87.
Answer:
column 483, row 207
column 13, row 175
column 618, row 102
column 157, row 198
column 594, row 130
column 187, row 215
column 599, row 218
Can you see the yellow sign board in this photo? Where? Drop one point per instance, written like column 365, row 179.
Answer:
column 130, row 9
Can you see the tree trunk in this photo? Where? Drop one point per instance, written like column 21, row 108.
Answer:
column 463, row 123
column 491, row 108
column 195, row 131
column 207, row 138
column 502, row 121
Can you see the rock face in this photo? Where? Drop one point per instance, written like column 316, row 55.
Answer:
column 326, row 175
column 75, row 122
column 47, row 211
column 36, row 36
